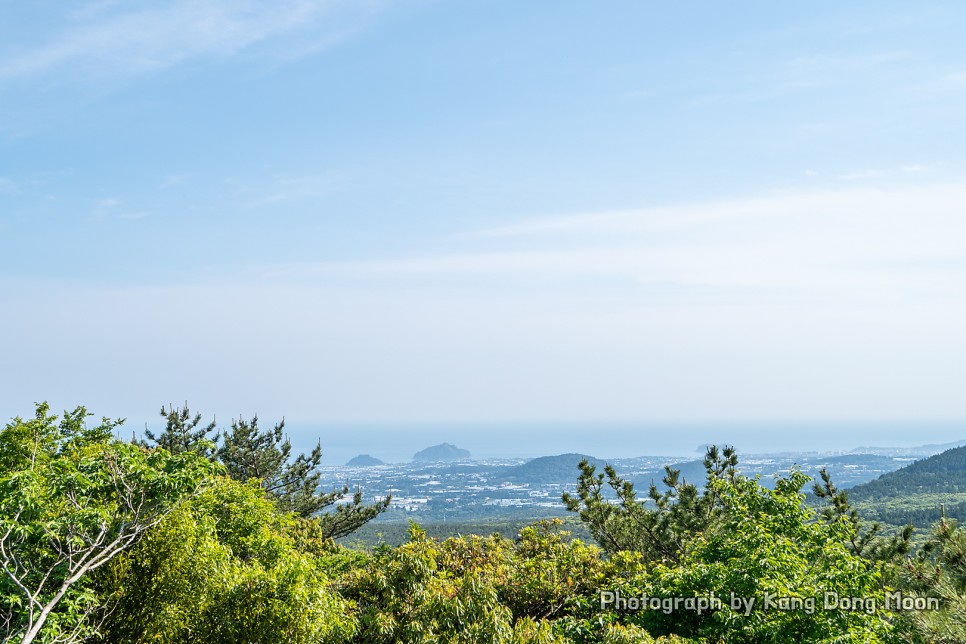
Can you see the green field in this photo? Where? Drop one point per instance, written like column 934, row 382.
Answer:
column 394, row 533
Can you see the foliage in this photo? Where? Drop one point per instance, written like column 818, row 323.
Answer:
column 919, row 494
column 72, row 498
column 388, row 531
column 265, row 455
column 767, row 545
column 102, row 540
column 183, row 432
column 937, row 571
column 473, row 589
column 251, row 453
column 863, row 541
column 549, row 576
column 630, row 524
column 248, row 452
column 738, row 537
column 920, row 510
column 225, row 567
column 945, row 472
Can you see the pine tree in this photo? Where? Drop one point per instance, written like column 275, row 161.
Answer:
column 865, row 540
column 660, row 525
column 249, row 452
column 182, row 433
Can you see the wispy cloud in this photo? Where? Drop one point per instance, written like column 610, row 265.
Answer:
column 126, row 38
column 801, row 304
column 132, row 215
column 837, row 245
column 805, row 74
column 860, row 174
column 111, row 208
column 884, row 173
column 282, row 189
column 173, row 180
column 8, row 186
column 818, row 68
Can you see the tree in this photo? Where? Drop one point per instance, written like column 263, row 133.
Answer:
column 182, row 433
column 249, row 452
column 936, row 573
column 767, row 544
column 226, row 566
column 865, row 540
column 454, row 592
column 631, row 524
column 72, row 498
column 735, row 536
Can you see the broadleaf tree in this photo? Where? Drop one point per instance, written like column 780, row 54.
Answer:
column 72, row 498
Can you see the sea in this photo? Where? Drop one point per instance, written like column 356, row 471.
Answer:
column 398, row 442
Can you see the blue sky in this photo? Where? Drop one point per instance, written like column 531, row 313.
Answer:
column 486, row 211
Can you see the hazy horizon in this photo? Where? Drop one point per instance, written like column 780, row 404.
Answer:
column 397, row 443
column 394, row 211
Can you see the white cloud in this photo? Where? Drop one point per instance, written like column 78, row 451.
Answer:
column 281, row 189
column 861, row 174
column 110, row 208
column 813, row 69
column 858, row 247
column 805, row 74
column 128, row 38
column 844, row 304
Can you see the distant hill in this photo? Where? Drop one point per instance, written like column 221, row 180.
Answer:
column 945, row 472
column 442, row 453
column 915, row 492
column 364, row 460
column 918, row 450
column 545, row 469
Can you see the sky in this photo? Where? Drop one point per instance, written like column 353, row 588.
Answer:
column 484, row 212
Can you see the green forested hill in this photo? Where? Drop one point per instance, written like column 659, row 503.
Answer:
column 549, row 468
column 917, row 493
column 942, row 473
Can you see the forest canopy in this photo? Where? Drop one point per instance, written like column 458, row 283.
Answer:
column 200, row 535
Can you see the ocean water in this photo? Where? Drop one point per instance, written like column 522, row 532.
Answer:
column 397, row 442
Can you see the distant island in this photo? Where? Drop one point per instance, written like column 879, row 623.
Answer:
column 364, row 460
column 444, row 452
